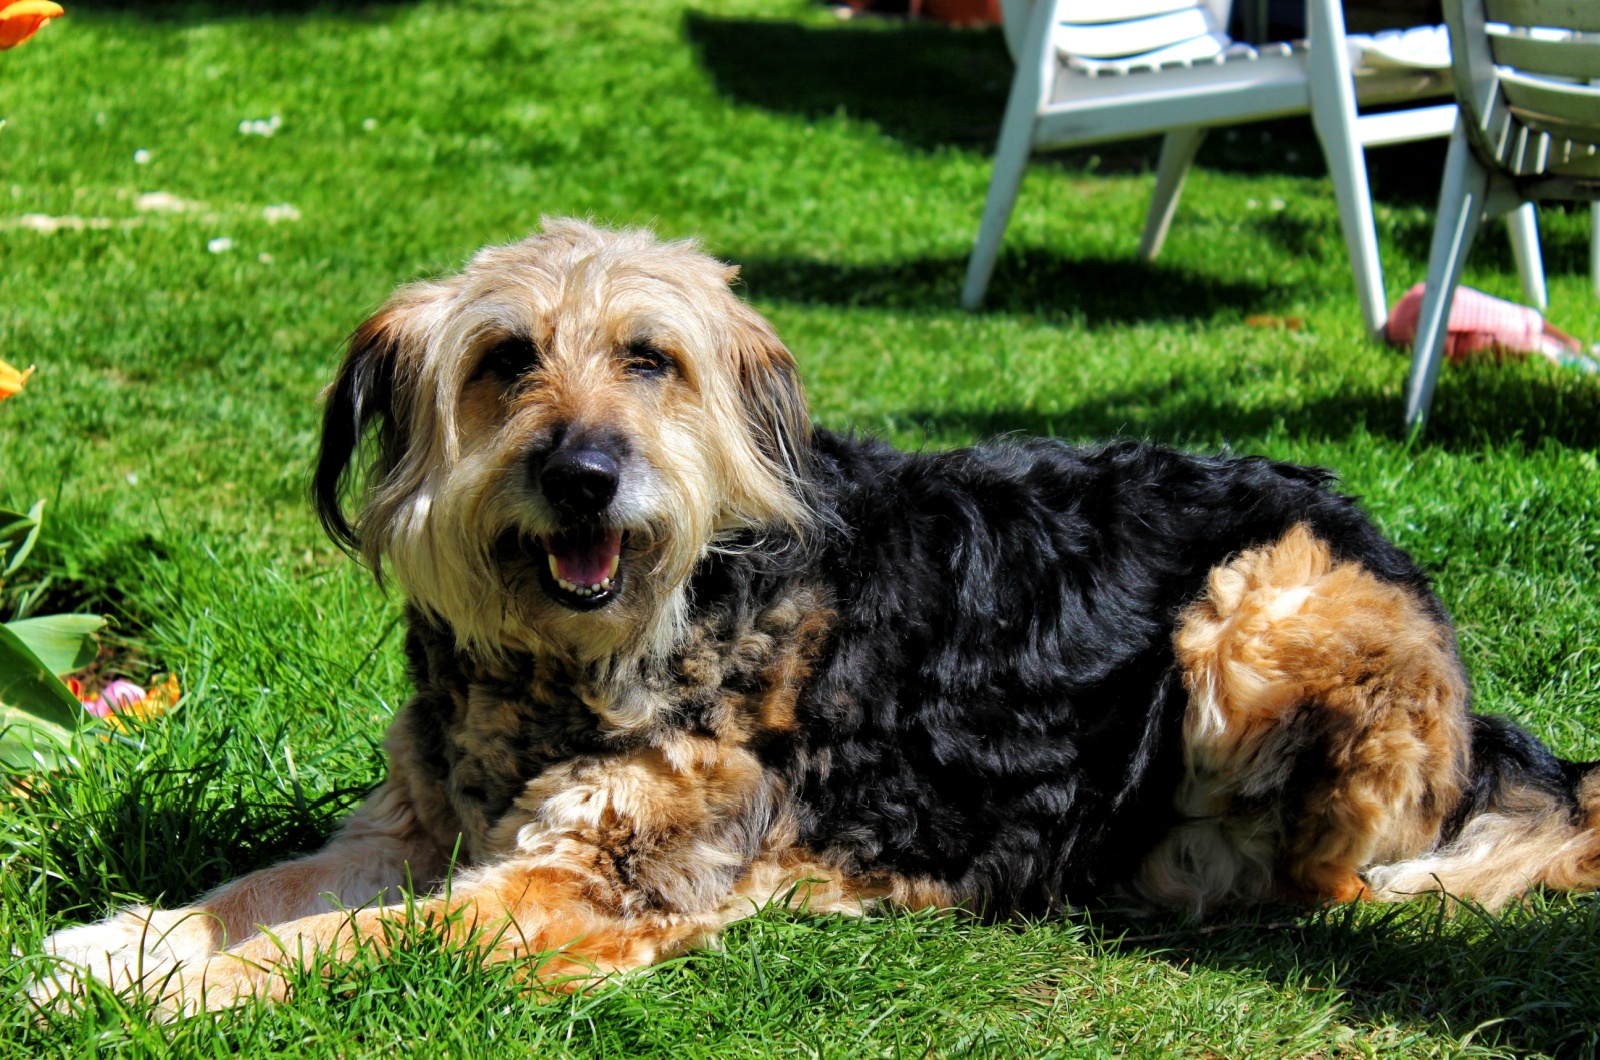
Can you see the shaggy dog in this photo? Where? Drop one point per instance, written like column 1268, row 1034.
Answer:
column 678, row 654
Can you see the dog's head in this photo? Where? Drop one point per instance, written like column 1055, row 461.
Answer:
column 562, row 431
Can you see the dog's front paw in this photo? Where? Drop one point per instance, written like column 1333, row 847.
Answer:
column 140, row 947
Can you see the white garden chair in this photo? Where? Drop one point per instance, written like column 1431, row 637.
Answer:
column 1089, row 71
column 1528, row 131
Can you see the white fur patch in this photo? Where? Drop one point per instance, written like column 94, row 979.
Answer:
column 139, row 946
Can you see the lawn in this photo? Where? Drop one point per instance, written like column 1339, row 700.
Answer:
column 182, row 340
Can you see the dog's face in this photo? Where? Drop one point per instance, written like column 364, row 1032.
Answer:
column 564, row 429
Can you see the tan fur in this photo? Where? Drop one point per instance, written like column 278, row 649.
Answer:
column 556, row 893
column 1294, row 661
column 583, row 296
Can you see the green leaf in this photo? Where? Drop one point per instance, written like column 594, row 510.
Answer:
column 27, row 742
column 26, row 684
column 64, row 643
column 19, row 532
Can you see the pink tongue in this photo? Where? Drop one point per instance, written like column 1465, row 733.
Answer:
column 584, row 560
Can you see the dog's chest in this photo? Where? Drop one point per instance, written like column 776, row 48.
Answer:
column 502, row 734
column 477, row 734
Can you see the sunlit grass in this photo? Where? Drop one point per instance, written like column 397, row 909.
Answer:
column 172, row 422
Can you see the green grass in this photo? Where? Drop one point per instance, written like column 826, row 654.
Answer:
column 172, row 422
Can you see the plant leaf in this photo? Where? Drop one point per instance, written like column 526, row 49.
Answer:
column 64, row 643
column 27, row 685
column 16, row 527
column 27, row 742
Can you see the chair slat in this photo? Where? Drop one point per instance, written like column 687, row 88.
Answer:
column 1114, row 40
column 1577, row 164
column 1565, row 130
column 1533, row 153
column 1579, row 104
column 1572, row 57
column 1213, row 48
column 1583, row 15
column 1091, row 12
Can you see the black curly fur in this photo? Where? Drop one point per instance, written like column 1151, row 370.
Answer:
column 999, row 708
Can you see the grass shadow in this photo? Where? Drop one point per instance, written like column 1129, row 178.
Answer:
column 921, row 83
column 931, row 86
column 173, row 832
column 1477, row 405
column 1563, row 247
column 1524, row 979
column 1036, row 281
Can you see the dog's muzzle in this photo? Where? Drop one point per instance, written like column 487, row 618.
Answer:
column 583, row 560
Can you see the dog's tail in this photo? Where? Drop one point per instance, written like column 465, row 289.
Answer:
column 1526, row 819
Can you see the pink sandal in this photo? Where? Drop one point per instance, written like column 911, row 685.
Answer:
column 1483, row 323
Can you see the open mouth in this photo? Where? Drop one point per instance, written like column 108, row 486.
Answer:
column 583, row 566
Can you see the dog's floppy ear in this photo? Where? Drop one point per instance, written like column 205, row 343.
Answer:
column 773, row 402
column 362, row 395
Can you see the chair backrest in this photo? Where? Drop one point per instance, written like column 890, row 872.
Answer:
column 1524, row 73
column 1111, row 30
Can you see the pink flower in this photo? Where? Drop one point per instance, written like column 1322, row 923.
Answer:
column 117, row 696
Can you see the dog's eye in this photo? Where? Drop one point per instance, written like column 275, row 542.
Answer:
column 510, row 358
column 646, row 359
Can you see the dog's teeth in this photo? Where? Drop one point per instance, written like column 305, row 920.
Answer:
column 581, row 590
column 612, row 573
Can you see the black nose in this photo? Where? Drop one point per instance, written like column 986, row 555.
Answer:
column 579, row 481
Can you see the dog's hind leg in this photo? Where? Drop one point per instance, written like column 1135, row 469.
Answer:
column 1529, row 820
column 380, row 850
column 1326, row 730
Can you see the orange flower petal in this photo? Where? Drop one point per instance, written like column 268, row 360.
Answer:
column 162, row 697
column 22, row 19
column 11, row 379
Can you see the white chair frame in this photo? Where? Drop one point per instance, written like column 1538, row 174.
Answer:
column 1529, row 129
column 1051, row 106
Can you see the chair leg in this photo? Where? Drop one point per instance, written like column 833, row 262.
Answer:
column 1010, row 159
column 1334, row 116
column 1523, row 226
column 1461, row 201
column 1594, row 248
column 1178, row 149
column 1030, row 89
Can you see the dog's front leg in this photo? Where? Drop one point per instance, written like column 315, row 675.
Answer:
column 380, row 850
column 607, row 865
column 518, row 908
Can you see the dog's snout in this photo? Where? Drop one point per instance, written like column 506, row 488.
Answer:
column 579, row 481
